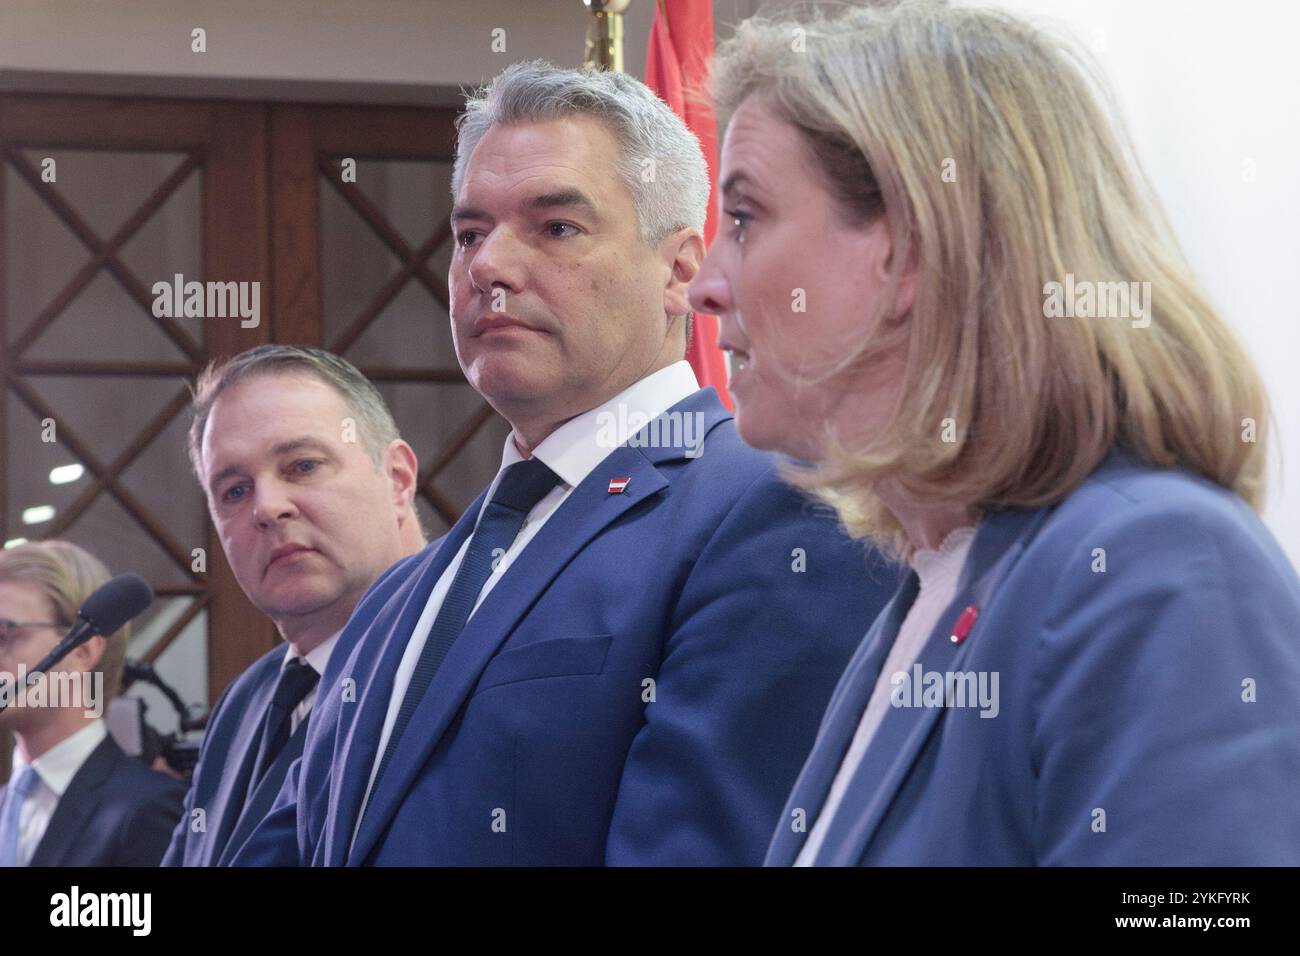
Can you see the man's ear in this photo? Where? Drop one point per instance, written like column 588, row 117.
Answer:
column 403, row 471
column 684, row 252
column 87, row 656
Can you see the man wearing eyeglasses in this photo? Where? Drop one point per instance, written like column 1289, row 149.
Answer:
column 73, row 797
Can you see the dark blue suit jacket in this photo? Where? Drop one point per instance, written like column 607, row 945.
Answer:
column 1148, row 710
column 537, row 742
column 220, row 784
column 115, row 812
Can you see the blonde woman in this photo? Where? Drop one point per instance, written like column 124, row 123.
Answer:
column 73, row 797
column 1094, row 658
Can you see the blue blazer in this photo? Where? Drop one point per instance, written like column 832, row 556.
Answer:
column 1148, row 709
column 640, row 688
column 220, row 784
column 116, row 812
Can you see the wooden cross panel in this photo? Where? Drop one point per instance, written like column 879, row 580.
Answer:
column 273, row 207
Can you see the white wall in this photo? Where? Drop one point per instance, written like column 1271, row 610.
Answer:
column 1206, row 86
column 371, row 50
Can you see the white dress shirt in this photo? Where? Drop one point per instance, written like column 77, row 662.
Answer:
column 573, row 451
column 54, row 772
column 939, row 571
column 316, row 659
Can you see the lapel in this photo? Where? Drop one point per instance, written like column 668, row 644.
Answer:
column 585, row 513
column 903, row 732
column 232, row 794
column 361, row 723
column 60, row 844
column 263, row 795
column 841, row 721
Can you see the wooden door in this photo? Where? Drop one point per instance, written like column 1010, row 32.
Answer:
column 102, row 197
column 362, row 241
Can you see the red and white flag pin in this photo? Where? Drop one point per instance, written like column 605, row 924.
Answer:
column 618, row 485
column 964, row 624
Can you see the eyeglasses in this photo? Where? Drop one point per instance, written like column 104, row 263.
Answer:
column 10, row 630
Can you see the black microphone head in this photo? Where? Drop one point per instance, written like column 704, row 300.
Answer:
column 115, row 602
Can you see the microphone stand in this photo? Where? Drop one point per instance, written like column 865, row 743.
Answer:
column 79, row 633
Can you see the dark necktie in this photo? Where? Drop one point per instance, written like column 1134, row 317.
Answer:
column 522, row 486
column 296, row 681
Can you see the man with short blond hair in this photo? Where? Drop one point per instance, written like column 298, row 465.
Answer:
column 74, row 797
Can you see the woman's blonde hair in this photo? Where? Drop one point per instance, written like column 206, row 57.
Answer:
column 983, row 143
column 67, row 574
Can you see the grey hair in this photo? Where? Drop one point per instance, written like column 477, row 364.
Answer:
column 376, row 430
column 661, row 161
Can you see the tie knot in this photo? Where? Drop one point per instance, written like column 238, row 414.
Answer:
column 524, row 484
column 296, row 681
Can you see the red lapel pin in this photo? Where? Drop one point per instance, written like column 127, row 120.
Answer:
column 618, row 485
column 964, row 623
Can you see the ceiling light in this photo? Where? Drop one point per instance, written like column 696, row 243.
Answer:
column 66, row 474
column 38, row 515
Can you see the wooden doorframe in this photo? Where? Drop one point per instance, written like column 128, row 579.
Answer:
column 261, row 165
column 231, row 140
column 300, row 135
column 307, row 144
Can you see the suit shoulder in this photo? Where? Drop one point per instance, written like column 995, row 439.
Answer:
column 732, row 490
column 389, row 583
column 1165, row 507
column 1146, row 488
column 397, row 574
column 133, row 782
column 142, row 808
column 1156, row 527
column 148, row 784
column 402, row 568
column 724, row 439
column 726, row 462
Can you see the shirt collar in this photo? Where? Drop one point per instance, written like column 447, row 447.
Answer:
column 58, row 765
column 944, row 563
column 317, row 658
column 574, row 449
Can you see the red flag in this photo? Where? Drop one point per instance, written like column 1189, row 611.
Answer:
column 677, row 60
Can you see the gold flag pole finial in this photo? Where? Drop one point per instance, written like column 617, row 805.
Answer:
column 605, row 34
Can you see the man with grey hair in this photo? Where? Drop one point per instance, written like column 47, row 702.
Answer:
column 620, row 653
column 311, row 490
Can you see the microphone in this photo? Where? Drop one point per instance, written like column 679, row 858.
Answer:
column 113, row 604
